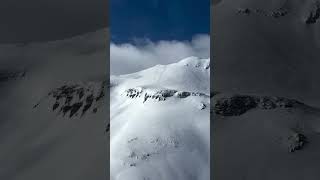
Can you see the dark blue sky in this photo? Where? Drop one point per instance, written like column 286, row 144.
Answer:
column 158, row 19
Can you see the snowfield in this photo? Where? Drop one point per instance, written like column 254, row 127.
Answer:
column 160, row 122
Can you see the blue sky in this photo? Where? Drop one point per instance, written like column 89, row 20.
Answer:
column 158, row 19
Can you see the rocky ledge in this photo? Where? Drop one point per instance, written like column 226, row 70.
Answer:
column 159, row 94
column 239, row 104
column 77, row 99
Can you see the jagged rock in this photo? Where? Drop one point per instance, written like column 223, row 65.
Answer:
column 159, row 95
column 279, row 13
column 88, row 104
column 167, row 92
column 207, row 66
column 74, row 108
column 65, row 109
column 314, row 16
column 197, row 94
column 202, row 106
column 274, row 14
column 296, row 141
column 55, row 106
column 239, row 104
column 74, row 98
column 133, row 92
column 266, row 103
column 235, row 105
column 183, row 94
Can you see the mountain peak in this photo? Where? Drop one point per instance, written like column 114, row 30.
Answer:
column 189, row 74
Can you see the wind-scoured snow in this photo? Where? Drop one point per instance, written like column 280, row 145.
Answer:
column 160, row 122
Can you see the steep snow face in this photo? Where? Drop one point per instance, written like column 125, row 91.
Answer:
column 264, row 137
column 159, row 125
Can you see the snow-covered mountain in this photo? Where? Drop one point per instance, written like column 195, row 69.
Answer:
column 38, row 142
column 265, row 51
column 264, row 137
column 160, row 122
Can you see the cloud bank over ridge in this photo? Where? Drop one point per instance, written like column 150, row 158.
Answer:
column 132, row 57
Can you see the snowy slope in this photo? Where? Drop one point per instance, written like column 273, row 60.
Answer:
column 268, row 47
column 264, row 137
column 37, row 142
column 160, row 122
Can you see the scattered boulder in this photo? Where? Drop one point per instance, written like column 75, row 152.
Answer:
column 133, row 92
column 108, row 127
column 202, row 106
column 296, row 141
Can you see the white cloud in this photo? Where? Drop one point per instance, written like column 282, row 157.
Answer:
column 129, row 58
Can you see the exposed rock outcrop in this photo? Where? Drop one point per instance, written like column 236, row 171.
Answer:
column 238, row 104
column 296, row 141
column 77, row 99
column 159, row 94
column 314, row 15
column 281, row 12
